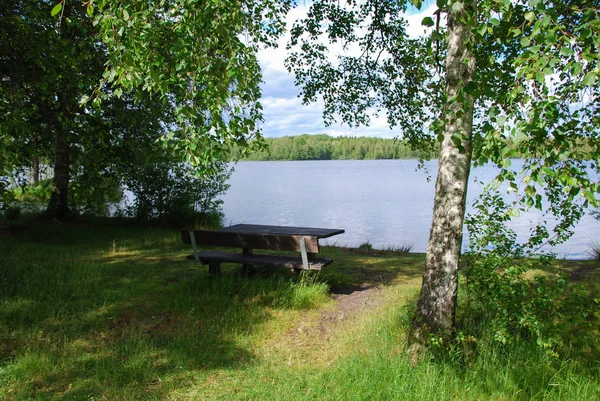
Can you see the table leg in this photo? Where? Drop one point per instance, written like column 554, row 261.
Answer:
column 247, row 268
column 214, row 268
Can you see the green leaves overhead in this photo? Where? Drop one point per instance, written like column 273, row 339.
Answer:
column 380, row 72
column 536, row 84
column 543, row 86
column 200, row 58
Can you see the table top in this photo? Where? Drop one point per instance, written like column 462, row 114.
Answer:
column 282, row 230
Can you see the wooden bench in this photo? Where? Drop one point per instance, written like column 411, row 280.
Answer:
column 307, row 245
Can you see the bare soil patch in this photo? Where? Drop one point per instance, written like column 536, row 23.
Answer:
column 350, row 302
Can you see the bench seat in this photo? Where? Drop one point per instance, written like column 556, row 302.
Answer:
column 291, row 262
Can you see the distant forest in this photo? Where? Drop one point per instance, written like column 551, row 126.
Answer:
column 324, row 147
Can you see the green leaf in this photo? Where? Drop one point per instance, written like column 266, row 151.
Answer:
column 482, row 29
column 90, row 10
column 57, row 8
column 548, row 171
column 566, row 51
column 590, row 79
column 525, row 42
column 530, row 16
column 417, row 4
column 590, row 196
column 427, row 21
column 534, row 3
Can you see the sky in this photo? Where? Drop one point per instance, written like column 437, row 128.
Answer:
column 283, row 110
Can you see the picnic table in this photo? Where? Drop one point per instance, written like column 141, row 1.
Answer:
column 249, row 237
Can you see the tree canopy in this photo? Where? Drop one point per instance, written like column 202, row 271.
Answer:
column 488, row 80
column 198, row 57
column 74, row 75
column 50, row 65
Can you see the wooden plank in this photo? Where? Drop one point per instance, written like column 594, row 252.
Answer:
column 285, row 261
column 283, row 230
column 252, row 241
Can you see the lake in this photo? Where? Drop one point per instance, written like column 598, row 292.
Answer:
column 383, row 202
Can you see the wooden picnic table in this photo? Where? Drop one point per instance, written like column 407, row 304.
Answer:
column 255, row 236
column 282, row 230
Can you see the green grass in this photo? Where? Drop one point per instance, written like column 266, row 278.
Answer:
column 100, row 311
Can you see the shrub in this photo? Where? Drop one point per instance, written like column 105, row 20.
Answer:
column 6, row 196
column 594, row 250
column 170, row 193
column 12, row 213
column 366, row 246
column 510, row 293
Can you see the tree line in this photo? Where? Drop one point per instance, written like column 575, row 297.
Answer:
column 325, row 147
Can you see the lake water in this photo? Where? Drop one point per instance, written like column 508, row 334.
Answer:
column 383, row 202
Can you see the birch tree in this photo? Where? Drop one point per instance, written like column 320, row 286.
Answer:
column 488, row 81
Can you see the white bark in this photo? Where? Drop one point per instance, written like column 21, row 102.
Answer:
column 437, row 301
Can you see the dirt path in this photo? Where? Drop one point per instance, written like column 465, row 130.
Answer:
column 349, row 303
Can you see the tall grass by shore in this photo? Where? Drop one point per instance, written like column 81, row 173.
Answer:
column 98, row 311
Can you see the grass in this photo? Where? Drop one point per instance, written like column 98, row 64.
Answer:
column 368, row 248
column 100, row 311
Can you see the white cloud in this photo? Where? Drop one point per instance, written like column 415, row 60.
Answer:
column 415, row 29
column 284, row 112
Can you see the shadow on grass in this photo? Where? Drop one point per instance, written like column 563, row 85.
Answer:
column 83, row 309
column 358, row 270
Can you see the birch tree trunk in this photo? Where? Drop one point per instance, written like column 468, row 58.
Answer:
column 437, row 301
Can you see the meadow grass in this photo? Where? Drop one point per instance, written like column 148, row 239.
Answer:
column 102, row 311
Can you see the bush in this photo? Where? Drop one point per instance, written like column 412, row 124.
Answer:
column 33, row 199
column 6, row 196
column 170, row 193
column 511, row 293
column 12, row 213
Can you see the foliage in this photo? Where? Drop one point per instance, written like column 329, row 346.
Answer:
column 48, row 68
column 168, row 191
column 198, row 81
column 33, row 198
column 86, row 196
column 536, row 86
column 12, row 212
column 42, row 79
column 389, row 74
column 323, row 147
column 197, row 57
column 5, row 195
column 366, row 246
column 530, row 88
column 510, row 294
